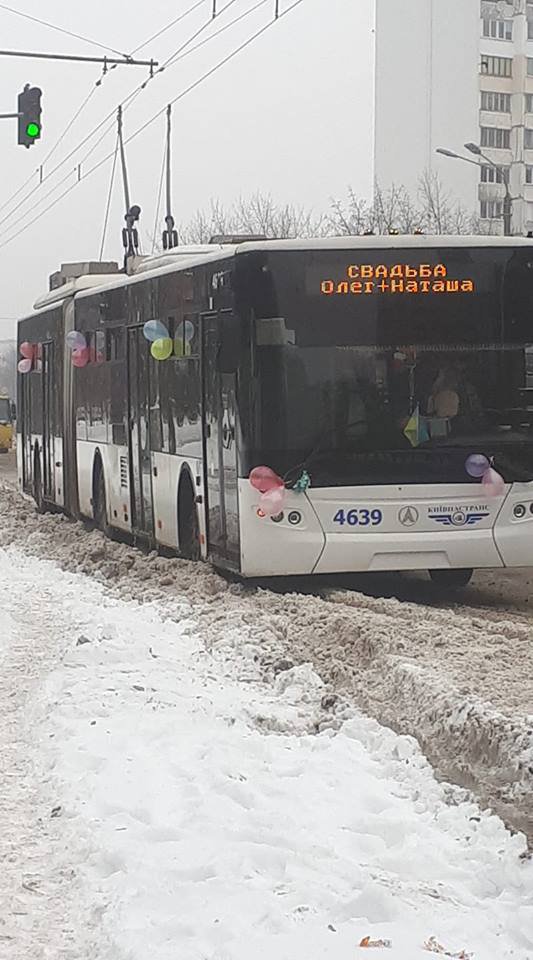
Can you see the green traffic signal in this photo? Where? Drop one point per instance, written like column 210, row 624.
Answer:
column 29, row 116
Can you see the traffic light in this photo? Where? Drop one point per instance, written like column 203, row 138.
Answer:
column 29, row 110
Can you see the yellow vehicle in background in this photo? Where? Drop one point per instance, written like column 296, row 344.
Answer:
column 7, row 424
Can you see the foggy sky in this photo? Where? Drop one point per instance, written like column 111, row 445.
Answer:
column 291, row 115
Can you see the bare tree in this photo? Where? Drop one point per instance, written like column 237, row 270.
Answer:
column 432, row 210
column 258, row 215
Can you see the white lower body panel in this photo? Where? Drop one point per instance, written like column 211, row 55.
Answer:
column 350, row 529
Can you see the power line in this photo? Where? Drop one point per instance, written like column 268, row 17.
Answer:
column 213, row 70
column 170, row 60
column 127, row 102
column 223, row 29
column 68, row 33
column 109, row 196
column 20, row 189
column 70, row 124
column 148, row 123
column 172, row 23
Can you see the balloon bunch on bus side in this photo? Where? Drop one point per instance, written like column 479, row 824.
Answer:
column 272, row 489
column 479, row 467
column 77, row 344
column 162, row 345
column 30, row 357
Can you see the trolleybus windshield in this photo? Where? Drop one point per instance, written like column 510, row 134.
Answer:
column 391, row 366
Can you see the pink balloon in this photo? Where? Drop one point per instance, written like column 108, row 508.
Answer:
column 80, row 358
column 24, row 366
column 493, row 484
column 273, row 501
column 264, row 479
column 26, row 350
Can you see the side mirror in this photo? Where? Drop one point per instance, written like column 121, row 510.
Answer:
column 229, row 349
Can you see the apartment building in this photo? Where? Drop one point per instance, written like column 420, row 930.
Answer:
column 449, row 72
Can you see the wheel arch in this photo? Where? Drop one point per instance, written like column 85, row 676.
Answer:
column 186, row 485
column 98, row 465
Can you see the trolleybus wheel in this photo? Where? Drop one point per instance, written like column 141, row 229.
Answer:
column 99, row 499
column 38, row 484
column 188, row 526
column 451, row 579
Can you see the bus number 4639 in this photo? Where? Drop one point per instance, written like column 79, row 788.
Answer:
column 358, row 518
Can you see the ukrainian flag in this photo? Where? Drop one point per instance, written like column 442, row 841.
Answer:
column 416, row 430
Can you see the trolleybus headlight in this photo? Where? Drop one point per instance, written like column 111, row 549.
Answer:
column 278, row 518
column 295, row 517
column 519, row 511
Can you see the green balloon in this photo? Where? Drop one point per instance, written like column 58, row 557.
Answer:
column 162, row 349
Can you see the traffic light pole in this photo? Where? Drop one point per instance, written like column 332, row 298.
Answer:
column 9, row 116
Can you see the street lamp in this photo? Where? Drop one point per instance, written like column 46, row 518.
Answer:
column 508, row 200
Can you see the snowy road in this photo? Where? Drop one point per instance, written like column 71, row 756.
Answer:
column 459, row 679
column 198, row 813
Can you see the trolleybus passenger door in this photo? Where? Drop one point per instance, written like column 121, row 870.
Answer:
column 139, row 433
column 24, row 416
column 220, row 433
column 50, row 426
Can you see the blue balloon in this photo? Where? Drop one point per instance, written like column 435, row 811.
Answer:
column 476, row 465
column 155, row 330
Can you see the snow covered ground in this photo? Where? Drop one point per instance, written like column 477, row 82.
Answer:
column 161, row 798
column 459, row 679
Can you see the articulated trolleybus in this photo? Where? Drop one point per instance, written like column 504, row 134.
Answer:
column 383, row 385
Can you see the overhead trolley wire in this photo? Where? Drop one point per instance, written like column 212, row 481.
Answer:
column 155, row 36
column 149, row 122
column 20, row 189
column 68, row 33
column 194, row 6
column 127, row 102
column 212, row 36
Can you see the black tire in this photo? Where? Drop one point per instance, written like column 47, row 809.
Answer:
column 38, row 484
column 188, row 526
column 100, row 500
column 451, row 579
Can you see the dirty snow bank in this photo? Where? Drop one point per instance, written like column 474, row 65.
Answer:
column 459, row 682
column 205, row 817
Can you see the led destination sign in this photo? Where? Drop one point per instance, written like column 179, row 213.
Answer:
column 367, row 279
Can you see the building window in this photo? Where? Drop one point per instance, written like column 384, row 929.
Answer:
column 529, row 102
column 491, row 209
column 530, row 29
column 528, row 139
column 498, row 29
column 529, row 174
column 496, row 102
column 498, row 66
column 494, row 174
column 530, row 66
column 495, row 137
